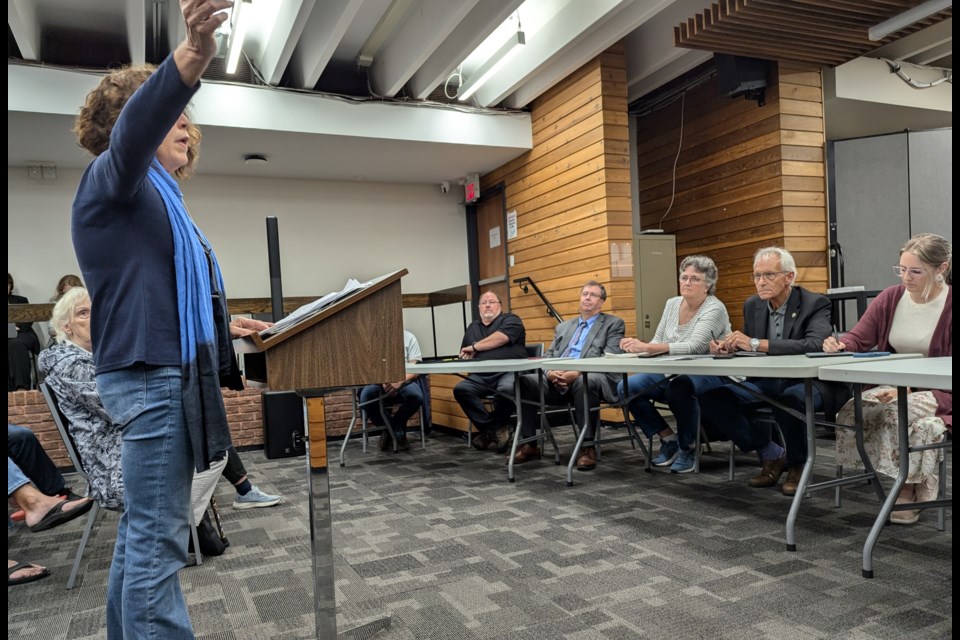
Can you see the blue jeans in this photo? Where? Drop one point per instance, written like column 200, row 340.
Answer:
column 144, row 599
column 680, row 393
column 729, row 409
column 15, row 477
column 28, row 454
column 406, row 403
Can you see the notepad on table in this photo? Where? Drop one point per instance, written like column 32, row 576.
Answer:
column 643, row 354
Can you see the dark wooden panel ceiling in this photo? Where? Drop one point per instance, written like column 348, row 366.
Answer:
column 824, row 32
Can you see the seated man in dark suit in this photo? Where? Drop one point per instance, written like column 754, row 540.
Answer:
column 495, row 336
column 589, row 335
column 782, row 319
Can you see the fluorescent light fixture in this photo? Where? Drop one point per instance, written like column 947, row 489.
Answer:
column 489, row 68
column 240, row 20
column 907, row 18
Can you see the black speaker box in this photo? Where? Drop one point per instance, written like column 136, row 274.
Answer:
column 282, row 424
column 737, row 75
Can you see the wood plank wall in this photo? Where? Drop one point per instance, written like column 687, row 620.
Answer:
column 571, row 193
column 747, row 177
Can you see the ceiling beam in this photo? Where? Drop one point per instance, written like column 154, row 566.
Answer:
column 321, row 35
column 482, row 20
column 270, row 44
column 136, row 19
column 426, row 27
column 573, row 21
column 23, row 23
column 613, row 27
column 934, row 36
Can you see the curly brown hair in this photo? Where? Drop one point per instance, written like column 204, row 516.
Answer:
column 102, row 108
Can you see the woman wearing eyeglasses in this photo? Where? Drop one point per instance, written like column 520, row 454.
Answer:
column 915, row 316
column 689, row 322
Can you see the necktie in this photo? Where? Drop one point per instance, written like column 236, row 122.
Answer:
column 574, row 340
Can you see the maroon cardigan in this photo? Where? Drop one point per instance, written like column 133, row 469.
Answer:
column 873, row 330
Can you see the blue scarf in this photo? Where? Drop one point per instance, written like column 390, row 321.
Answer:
column 205, row 348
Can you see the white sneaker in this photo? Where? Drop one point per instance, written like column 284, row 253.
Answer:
column 254, row 499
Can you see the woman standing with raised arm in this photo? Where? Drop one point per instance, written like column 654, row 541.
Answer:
column 159, row 325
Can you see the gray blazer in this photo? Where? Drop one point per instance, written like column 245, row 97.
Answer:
column 604, row 336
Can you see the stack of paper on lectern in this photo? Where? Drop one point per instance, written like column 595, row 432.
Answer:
column 313, row 308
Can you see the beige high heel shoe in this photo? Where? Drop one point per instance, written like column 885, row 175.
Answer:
column 910, row 516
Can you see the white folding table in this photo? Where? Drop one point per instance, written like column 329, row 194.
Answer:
column 922, row 373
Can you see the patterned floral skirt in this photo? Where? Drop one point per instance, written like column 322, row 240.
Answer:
column 881, row 435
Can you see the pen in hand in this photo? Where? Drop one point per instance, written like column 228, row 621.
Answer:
column 836, row 345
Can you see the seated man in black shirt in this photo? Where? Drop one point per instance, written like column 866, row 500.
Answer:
column 495, row 336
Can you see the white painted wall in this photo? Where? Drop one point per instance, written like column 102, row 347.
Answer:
column 329, row 231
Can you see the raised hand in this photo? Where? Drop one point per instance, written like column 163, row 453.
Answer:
column 201, row 17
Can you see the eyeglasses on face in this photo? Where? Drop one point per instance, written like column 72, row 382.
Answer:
column 489, row 303
column 590, row 294
column 769, row 276
column 691, row 279
column 913, row 271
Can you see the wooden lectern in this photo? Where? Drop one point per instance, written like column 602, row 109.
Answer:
column 355, row 341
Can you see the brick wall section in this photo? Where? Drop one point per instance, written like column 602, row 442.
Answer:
column 28, row 409
column 244, row 411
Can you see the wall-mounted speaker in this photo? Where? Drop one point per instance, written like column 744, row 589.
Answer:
column 737, row 75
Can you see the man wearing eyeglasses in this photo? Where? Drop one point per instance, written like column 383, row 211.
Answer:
column 782, row 319
column 589, row 335
column 495, row 336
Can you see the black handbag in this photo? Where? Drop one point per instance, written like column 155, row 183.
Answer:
column 211, row 538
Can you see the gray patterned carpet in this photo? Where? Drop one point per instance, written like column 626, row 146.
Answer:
column 441, row 541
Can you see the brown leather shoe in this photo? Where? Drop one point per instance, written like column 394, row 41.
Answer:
column 587, row 459
column 793, row 479
column 525, row 453
column 770, row 473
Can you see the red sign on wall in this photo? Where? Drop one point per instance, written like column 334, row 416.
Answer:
column 471, row 188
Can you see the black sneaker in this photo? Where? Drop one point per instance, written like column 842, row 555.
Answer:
column 403, row 444
column 385, row 442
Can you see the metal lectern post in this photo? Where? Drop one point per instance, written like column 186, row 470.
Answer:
column 321, row 539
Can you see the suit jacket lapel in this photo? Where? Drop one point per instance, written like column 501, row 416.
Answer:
column 592, row 334
column 793, row 308
column 760, row 315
